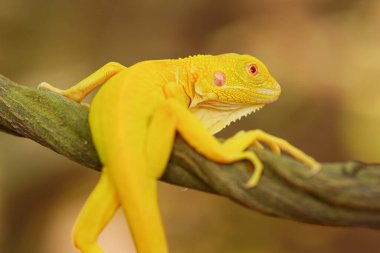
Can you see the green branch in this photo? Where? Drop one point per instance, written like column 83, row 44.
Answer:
column 341, row 194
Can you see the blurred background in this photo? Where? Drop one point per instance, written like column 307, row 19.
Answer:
column 325, row 54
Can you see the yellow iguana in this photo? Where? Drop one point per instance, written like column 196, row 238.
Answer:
column 134, row 118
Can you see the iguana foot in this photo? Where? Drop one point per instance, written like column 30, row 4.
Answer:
column 277, row 145
column 48, row 87
column 256, row 138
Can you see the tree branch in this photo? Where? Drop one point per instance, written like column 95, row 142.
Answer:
column 341, row 194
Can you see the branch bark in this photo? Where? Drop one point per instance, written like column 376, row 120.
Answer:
column 341, row 194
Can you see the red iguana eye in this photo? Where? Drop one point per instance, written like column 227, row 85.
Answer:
column 252, row 69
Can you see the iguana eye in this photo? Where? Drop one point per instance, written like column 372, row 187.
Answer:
column 219, row 78
column 252, row 69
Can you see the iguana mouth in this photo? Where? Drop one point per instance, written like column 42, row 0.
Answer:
column 268, row 96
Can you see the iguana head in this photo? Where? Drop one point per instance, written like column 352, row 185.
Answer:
column 228, row 86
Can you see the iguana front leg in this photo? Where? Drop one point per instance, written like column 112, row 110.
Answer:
column 233, row 149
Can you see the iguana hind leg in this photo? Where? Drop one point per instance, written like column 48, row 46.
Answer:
column 137, row 183
column 98, row 210
column 138, row 196
column 79, row 91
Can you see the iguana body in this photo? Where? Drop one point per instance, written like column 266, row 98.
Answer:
column 134, row 118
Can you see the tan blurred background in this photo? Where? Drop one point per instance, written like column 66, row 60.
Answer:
column 326, row 55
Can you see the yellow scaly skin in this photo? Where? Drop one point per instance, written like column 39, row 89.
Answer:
column 134, row 118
